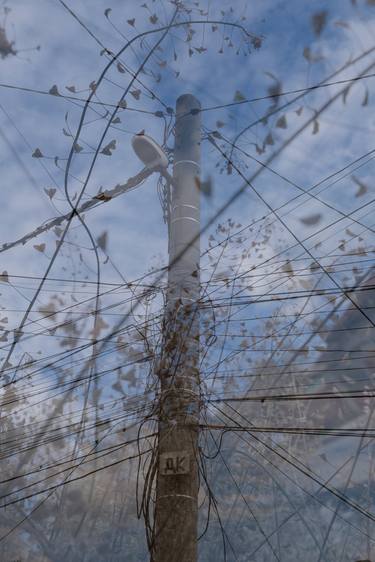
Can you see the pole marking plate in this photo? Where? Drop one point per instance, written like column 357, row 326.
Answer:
column 174, row 463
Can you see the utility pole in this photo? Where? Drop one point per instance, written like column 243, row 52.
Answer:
column 177, row 479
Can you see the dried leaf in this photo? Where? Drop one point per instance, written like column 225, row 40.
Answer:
column 342, row 23
column 117, row 387
column 345, row 94
column 315, row 127
column 120, row 68
column 269, row 139
column 71, row 89
column 312, row 219
column 362, row 187
column 50, row 192
column 77, row 147
column 204, row 186
column 274, row 91
column 103, row 197
column 102, row 241
column 319, row 21
column 54, row 91
column 153, row 19
column 365, row 99
column 4, row 277
column 136, row 94
column 107, row 12
column 310, row 57
column 305, row 284
column 282, row 122
column 107, row 150
column 40, row 247
column 288, row 268
column 238, row 96
column 131, row 22
column 37, row 153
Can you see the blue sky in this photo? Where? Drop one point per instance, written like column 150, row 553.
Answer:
column 295, row 53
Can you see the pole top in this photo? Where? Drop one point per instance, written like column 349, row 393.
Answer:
column 187, row 102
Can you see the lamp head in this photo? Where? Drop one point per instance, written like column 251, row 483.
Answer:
column 149, row 152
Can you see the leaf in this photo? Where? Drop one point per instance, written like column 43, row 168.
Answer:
column 107, row 12
column 58, row 231
column 282, row 122
column 92, row 86
column 4, row 277
column 342, row 23
column 319, row 21
column 274, row 91
column 362, row 187
column 269, row 139
column 312, row 219
column 122, row 104
column 48, row 310
column 117, row 386
column 310, row 57
column 77, row 147
column 54, row 91
column 136, row 94
column 216, row 134
column 288, row 268
column 299, row 111
column 315, row 127
column 153, row 19
column 238, row 96
column 345, row 94
column 131, row 22
column 365, row 99
column 71, row 89
column 107, row 150
column 116, row 120
column 220, row 124
column 305, row 284
column 120, row 68
column 37, row 153
column 103, row 197
column 204, row 186
column 50, row 192
column 40, row 247
column 102, row 241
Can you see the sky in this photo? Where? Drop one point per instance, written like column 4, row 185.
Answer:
column 321, row 140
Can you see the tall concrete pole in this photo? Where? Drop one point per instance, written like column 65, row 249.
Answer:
column 176, row 510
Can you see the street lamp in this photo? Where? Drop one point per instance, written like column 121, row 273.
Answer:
column 150, row 152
